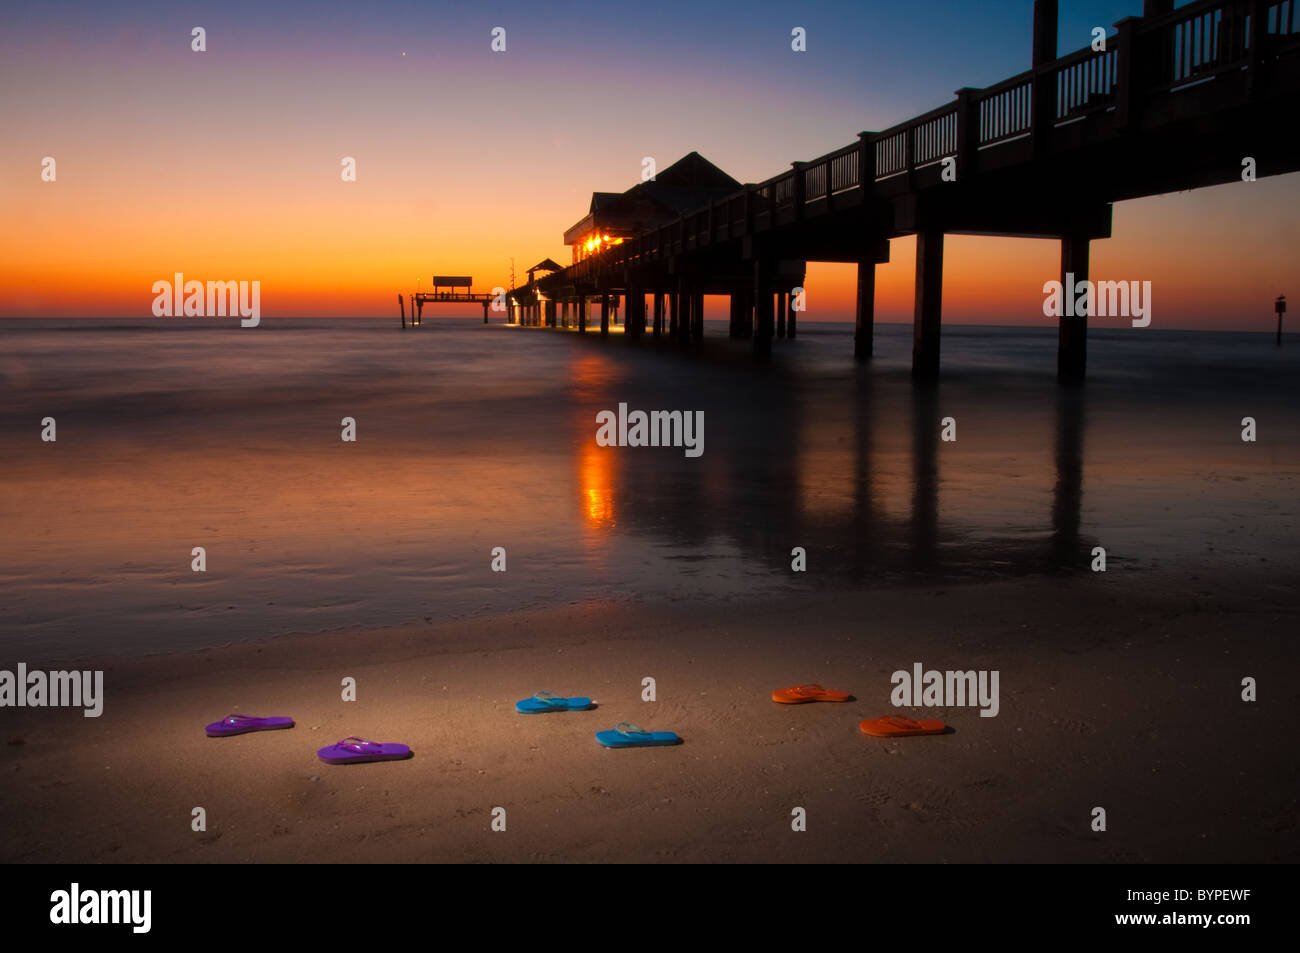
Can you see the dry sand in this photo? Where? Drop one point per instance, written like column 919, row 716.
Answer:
column 1120, row 691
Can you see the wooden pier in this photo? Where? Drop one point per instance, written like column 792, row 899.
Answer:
column 1175, row 101
column 445, row 292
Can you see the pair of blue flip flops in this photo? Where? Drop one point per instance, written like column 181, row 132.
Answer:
column 624, row 735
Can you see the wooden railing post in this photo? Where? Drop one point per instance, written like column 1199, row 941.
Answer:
column 1042, row 116
column 1127, row 92
column 968, row 131
column 867, row 162
column 799, row 191
column 1255, row 33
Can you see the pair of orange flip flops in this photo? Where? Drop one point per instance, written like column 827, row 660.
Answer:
column 890, row 726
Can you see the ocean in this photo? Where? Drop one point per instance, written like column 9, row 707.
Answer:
column 474, row 439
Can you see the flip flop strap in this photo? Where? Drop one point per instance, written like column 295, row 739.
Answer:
column 629, row 729
column 899, row 722
column 807, row 689
column 359, row 745
column 547, row 698
column 239, row 719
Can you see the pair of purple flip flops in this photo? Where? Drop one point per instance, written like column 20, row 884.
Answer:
column 348, row 751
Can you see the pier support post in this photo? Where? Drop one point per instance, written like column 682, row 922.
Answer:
column 929, row 304
column 685, row 302
column 733, row 325
column 485, row 311
column 792, row 316
column 635, row 308
column 1072, row 344
column 674, row 304
column 582, row 315
column 604, row 315
column 401, row 306
column 782, row 306
column 747, row 312
column 864, row 329
column 659, row 313
column 697, row 314
column 762, row 308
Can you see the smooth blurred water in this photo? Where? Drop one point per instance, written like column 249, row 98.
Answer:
column 173, row 435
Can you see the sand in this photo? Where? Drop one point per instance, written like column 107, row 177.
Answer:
column 1118, row 690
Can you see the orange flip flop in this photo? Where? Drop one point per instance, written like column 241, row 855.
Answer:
column 892, row 726
column 808, row 693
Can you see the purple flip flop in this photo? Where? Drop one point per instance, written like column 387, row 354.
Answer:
column 359, row 750
column 240, row 724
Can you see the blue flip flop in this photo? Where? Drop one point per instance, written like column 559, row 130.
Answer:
column 627, row 735
column 545, row 701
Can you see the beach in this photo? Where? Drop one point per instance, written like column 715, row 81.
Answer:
column 1119, row 689
column 1113, row 694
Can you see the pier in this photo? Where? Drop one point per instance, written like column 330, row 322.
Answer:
column 445, row 291
column 1176, row 100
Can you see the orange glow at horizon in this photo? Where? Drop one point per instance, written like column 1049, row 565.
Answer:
column 94, row 243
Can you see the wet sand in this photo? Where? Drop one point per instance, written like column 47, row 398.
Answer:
column 1119, row 690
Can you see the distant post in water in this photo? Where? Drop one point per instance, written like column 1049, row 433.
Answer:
column 1280, row 307
column 401, row 306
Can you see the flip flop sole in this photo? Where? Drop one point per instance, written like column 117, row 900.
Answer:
column 621, row 742
column 367, row 758
column 553, row 708
column 389, row 751
column 244, row 731
column 878, row 731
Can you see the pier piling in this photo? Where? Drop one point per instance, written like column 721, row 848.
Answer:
column 1072, row 342
column 865, row 325
column 928, row 313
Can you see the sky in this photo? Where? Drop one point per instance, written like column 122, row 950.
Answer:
column 225, row 164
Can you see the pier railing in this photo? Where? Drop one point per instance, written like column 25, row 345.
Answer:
column 1148, row 58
